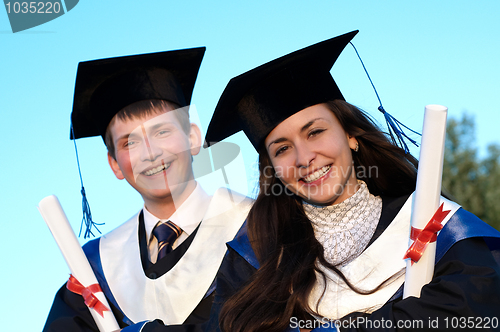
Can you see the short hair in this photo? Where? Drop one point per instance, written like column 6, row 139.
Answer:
column 145, row 108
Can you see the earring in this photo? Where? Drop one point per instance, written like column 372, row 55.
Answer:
column 357, row 147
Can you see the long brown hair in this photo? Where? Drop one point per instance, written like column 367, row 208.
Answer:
column 283, row 239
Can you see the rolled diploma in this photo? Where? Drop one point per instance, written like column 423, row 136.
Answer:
column 427, row 195
column 53, row 214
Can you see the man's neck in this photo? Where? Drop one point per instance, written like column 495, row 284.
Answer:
column 164, row 208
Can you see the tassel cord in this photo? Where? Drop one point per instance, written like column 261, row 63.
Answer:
column 87, row 215
column 394, row 125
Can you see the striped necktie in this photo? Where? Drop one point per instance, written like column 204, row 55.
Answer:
column 166, row 233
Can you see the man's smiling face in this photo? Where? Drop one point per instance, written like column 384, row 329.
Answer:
column 154, row 154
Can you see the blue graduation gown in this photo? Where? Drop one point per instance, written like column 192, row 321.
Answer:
column 466, row 281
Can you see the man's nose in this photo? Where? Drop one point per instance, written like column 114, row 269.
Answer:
column 150, row 150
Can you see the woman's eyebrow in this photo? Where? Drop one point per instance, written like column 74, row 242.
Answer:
column 279, row 140
column 304, row 128
column 309, row 124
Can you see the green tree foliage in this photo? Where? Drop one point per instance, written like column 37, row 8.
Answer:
column 472, row 182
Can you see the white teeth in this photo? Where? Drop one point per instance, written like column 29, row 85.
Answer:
column 316, row 175
column 157, row 170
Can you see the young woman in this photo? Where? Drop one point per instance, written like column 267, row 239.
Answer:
column 326, row 236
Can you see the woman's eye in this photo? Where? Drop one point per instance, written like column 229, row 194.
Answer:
column 280, row 150
column 315, row 132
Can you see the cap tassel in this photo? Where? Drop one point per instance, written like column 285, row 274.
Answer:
column 393, row 125
column 87, row 215
column 396, row 132
column 87, row 218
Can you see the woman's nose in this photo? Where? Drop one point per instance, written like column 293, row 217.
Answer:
column 304, row 155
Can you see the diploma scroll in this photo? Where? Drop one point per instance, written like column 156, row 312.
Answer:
column 427, row 195
column 53, row 214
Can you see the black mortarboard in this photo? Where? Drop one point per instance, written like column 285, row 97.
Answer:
column 258, row 100
column 104, row 87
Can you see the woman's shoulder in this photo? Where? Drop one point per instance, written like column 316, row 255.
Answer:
column 241, row 246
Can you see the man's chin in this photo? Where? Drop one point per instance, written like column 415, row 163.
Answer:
column 153, row 187
column 150, row 182
column 163, row 191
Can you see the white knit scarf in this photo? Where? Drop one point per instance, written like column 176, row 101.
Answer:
column 345, row 229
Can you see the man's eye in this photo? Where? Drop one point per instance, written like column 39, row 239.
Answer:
column 129, row 144
column 163, row 132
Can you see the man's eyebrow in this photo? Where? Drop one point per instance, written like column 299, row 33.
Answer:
column 135, row 132
column 126, row 136
column 158, row 125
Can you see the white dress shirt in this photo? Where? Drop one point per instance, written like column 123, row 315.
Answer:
column 187, row 216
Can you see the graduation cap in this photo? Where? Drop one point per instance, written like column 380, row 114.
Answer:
column 104, row 87
column 258, row 100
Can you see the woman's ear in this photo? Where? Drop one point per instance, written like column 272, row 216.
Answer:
column 353, row 143
column 194, row 139
column 115, row 167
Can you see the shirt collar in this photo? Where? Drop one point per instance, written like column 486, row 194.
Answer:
column 187, row 216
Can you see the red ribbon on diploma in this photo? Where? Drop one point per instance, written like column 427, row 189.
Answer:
column 422, row 237
column 88, row 294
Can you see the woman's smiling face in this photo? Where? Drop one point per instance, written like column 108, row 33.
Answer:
column 311, row 155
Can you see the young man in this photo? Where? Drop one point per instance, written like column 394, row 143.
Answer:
column 139, row 105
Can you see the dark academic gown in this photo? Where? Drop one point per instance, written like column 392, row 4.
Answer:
column 466, row 281
column 146, row 288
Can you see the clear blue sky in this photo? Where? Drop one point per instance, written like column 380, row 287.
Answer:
column 417, row 52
